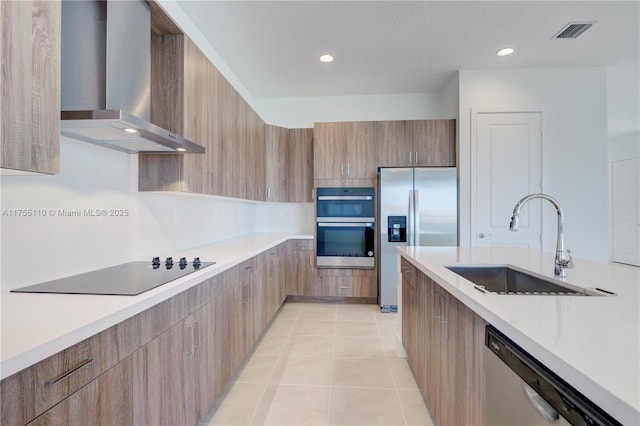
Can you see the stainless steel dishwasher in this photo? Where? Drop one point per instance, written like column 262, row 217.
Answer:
column 521, row 391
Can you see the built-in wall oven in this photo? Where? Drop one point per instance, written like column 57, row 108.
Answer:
column 345, row 227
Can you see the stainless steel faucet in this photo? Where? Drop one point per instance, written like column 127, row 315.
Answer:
column 563, row 257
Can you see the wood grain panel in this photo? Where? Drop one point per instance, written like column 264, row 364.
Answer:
column 167, row 82
column 256, row 154
column 329, row 150
column 393, row 146
column 195, row 116
column 108, row 400
column 361, row 152
column 278, row 161
column 160, row 23
column 300, row 165
column 45, row 86
column 163, row 391
column 218, row 132
column 30, row 85
column 433, row 141
column 26, row 394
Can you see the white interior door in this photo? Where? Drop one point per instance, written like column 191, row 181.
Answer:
column 625, row 200
column 507, row 165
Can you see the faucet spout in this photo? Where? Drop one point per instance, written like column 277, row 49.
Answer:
column 563, row 257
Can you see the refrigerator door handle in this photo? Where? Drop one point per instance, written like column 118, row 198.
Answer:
column 416, row 217
column 410, row 223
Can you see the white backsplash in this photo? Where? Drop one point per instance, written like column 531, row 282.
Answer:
column 93, row 179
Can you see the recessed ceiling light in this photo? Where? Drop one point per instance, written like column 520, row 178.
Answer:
column 504, row 52
column 130, row 131
column 326, row 58
column 180, row 149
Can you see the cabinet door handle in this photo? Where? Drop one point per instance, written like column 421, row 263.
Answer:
column 268, row 193
column 341, row 169
column 68, row 373
column 410, row 153
column 348, row 169
column 196, row 334
column 417, row 161
column 442, row 309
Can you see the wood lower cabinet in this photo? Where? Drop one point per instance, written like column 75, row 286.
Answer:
column 30, row 86
column 107, row 400
column 305, row 280
column 444, row 341
column 163, row 384
column 164, row 366
column 32, row 391
column 302, row 279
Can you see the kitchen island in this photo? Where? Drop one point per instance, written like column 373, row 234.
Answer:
column 593, row 343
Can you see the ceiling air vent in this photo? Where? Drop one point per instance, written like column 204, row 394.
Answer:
column 573, row 29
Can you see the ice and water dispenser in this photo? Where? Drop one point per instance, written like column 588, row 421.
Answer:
column 397, row 229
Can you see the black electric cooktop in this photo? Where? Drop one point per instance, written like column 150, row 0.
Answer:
column 128, row 279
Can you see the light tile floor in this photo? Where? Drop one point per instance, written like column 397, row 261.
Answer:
column 324, row 364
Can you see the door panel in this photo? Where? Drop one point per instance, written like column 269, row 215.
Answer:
column 626, row 211
column 507, row 163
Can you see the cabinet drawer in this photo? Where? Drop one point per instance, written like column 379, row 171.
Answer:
column 32, row 391
column 302, row 245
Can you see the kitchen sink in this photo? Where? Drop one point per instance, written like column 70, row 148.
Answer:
column 509, row 281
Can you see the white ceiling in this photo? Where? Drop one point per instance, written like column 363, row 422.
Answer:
column 388, row 47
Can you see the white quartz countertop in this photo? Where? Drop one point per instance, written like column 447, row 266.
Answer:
column 36, row 326
column 591, row 342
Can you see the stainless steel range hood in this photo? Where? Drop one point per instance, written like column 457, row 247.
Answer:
column 106, row 78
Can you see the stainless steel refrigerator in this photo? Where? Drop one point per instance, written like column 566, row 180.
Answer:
column 418, row 206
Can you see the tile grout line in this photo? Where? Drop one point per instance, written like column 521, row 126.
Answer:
column 331, row 368
column 273, row 369
column 393, row 378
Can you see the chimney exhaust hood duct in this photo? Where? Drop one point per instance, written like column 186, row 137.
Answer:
column 106, row 78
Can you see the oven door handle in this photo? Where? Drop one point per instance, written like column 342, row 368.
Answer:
column 345, row 224
column 344, row 197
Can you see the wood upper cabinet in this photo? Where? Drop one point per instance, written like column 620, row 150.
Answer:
column 344, row 150
column 434, row 142
column 179, row 73
column 329, row 150
column 289, row 164
column 416, row 143
column 30, row 86
column 278, row 163
column 190, row 97
column 361, row 153
column 300, row 165
column 393, row 145
column 256, row 155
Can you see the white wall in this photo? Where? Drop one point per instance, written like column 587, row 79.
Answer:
column 46, row 247
column 303, row 112
column 574, row 105
column 286, row 217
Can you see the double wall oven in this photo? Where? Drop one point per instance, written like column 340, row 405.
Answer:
column 345, row 227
